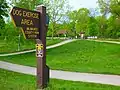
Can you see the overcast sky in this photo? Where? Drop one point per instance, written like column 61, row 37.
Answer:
column 76, row 4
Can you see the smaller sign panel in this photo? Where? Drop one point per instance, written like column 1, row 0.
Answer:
column 31, row 32
column 28, row 20
column 39, row 50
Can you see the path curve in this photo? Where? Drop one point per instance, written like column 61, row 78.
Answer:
column 49, row 47
column 56, row 45
column 114, row 42
column 65, row 75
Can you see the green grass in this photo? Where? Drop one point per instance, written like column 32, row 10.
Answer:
column 12, row 46
column 53, row 41
column 7, row 46
column 79, row 56
column 16, row 81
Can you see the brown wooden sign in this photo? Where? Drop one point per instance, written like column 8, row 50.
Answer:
column 28, row 20
column 34, row 26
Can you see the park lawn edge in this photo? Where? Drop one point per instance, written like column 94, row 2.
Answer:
column 62, row 84
column 67, row 69
column 49, row 44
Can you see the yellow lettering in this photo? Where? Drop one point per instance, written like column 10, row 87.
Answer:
column 31, row 22
column 28, row 32
column 36, row 32
column 31, row 32
column 36, row 15
column 28, row 28
column 27, row 22
column 32, row 36
column 22, row 22
column 30, row 15
column 17, row 12
column 24, row 14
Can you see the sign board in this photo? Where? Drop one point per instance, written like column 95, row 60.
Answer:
column 33, row 25
column 28, row 20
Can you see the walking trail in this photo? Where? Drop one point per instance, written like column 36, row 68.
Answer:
column 65, row 75
column 56, row 45
column 105, row 41
column 49, row 47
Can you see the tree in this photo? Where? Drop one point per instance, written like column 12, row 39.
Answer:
column 82, row 20
column 27, row 4
column 113, row 30
column 104, row 6
column 102, row 25
column 115, row 7
column 3, row 13
column 72, row 16
column 110, row 29
column 10, row 31
column 109, row 6
column 93, row 12
column 79, row 20
column 92, row 27
column 57, row 10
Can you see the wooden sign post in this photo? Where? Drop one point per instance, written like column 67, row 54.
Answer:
column 33, row 24
column 42, row 68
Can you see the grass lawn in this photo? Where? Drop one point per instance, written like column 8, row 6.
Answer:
column 53, row 41
column 16, row 81
column 79, row 56
column 12, row 46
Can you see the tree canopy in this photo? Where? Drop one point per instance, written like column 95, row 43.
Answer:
column 3, row 13
column 103, row 21
column 27, row 4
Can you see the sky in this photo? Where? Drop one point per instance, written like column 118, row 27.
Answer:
column 76, row 4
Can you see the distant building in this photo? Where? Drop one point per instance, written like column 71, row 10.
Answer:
column 82, row 34
column 62, row 32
